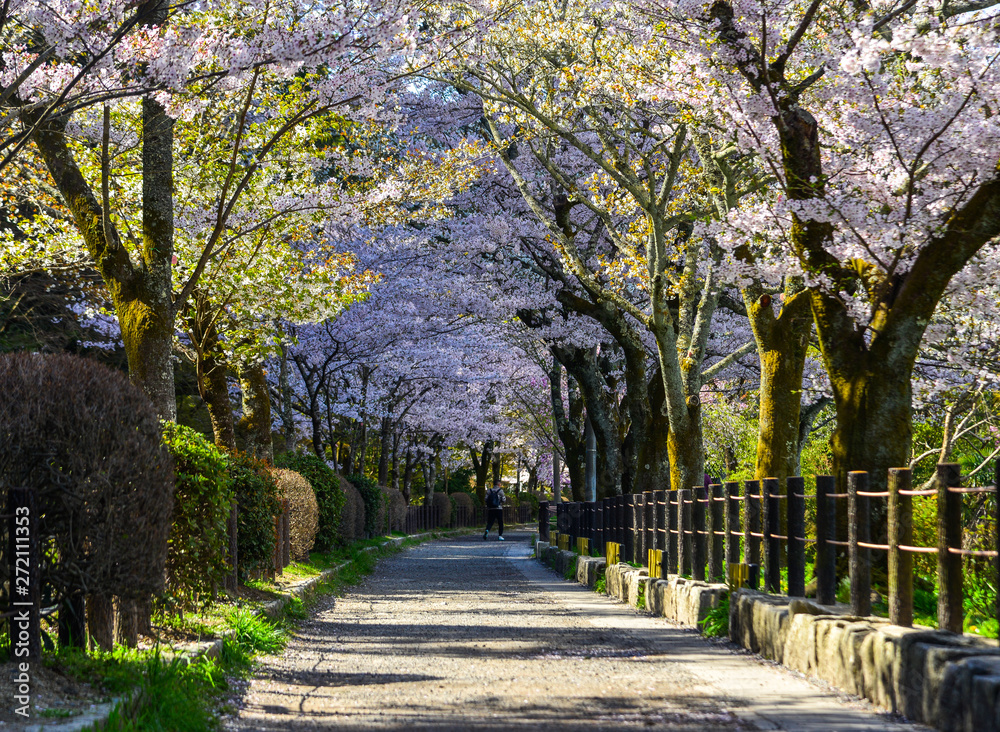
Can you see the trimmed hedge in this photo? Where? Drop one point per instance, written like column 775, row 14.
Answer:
column 196, row 549
column 329, row 497
column 441, row 502
column 303, row 513
column 396, row 505
column 352, row 521
column 464, row 501
column 89, row 444
column 371, row 494
column 257, row 495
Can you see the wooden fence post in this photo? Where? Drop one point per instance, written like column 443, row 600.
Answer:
column 826, row 557
column 650, row 523
column 543, row 521
column 672, row 538
column 751, row 544
column 628, row 546
column 639, row 531
column 660, row 519
column 859, row 557
column 950, row 595
column 772, row 527
column 900, row 562
column 732, row 490
column 717, row 532
column 684, row 543
column 699, row 554
column 795, row 488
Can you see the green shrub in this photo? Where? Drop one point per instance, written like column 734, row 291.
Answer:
column 528, row 499
column 371, row 495
column 196, row 549
column 471, row 493
column 329, row 496
column 442, row 504
column 463, row 501
column 257, row 496
column 352, row 520
column 396, row 506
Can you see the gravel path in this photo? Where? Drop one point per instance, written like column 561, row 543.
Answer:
column 470, row 635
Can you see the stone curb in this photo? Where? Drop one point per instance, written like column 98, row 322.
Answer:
column 948, row 681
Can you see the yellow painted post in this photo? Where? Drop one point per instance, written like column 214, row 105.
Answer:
column 564, row 542
column 583, row 546
column 554, row 538
column 655, row 563
column 738, row 574
column 612, row 552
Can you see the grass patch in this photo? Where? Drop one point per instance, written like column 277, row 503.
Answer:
column 601, row 585
column 570, row 572
column 640, row 597
column 716, row 623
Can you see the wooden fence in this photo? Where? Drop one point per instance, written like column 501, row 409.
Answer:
column 723, row 533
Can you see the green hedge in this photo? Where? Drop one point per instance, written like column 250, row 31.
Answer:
column 372, row 496
column 257, row 495
column 326, row 485
column 196, row 549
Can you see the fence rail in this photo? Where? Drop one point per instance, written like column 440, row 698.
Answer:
column 701, row 532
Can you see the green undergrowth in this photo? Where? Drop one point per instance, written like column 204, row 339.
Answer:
column 601, row 586
column 570, row 572
column 640, row 598
column 716, row 623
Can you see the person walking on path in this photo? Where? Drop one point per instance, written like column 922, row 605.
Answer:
column 494, row 509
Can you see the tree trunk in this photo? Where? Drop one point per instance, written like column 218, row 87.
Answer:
column 481, row 464
column 211, row 371
column 497, row 467
column 395, row 460
column 685, row 449
column 287, row 418
column 873, row 431
column 142, row 295
column 256, row 422
column 408, row 476
column 782, row 342
column 101, row 622
column 126, row 623
column 385, row 450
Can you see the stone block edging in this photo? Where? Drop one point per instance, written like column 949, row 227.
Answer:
column 948, row 681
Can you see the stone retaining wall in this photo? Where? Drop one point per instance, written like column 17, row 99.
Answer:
column 947, row 681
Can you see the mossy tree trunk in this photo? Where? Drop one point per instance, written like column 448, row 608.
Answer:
column 211, row 370
column 782, row 342
column 869, row 363
column 256, row 421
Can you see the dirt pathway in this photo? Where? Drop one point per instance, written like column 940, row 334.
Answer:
column 471, row 635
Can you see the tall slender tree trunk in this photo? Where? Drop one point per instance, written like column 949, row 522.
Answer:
column 385, row 451
column 287, row 416
column 211, row 370
column 395, row 461
column 481, row 464
column 256, row 422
